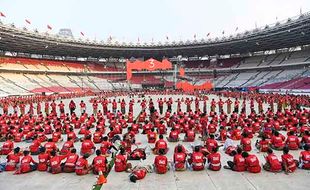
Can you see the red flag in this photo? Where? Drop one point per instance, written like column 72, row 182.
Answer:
column 49, row 27
column 1, row 14
column 182, row 72
column 28, row 21
column 82, row 33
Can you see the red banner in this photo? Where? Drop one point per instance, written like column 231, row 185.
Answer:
column 182, row 72
column 186, row 86
column 150, row 65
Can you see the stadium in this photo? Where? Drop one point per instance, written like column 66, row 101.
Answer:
column 211, row 96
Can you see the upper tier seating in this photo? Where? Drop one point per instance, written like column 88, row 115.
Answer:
column 14, row 63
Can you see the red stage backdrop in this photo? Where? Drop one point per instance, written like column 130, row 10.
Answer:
column 150, row 65
column 186, row 86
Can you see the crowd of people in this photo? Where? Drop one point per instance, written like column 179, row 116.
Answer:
column 284, row 126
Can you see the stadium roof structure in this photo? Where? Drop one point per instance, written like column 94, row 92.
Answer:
column 292, row 32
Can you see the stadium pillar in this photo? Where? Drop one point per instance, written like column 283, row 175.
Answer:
column 175, row 75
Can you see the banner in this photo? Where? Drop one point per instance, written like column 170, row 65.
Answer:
column 181, row 72
column 186, row 86
column 150, row 65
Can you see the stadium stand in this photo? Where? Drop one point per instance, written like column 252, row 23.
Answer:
column 281, row 63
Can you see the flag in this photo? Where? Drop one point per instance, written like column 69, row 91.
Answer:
column 167, row 37
column 223, row 32
column 27, row 21
column 208, row 34
column 82, row 33
column 237, row 28
column 1, row 14
column 300, row 10
column 195, row 36
column 49, row 27
column 182, row 72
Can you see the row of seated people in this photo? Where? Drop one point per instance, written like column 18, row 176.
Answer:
column 198, row 160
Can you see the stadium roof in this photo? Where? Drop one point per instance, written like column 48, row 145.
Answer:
column 292, row 32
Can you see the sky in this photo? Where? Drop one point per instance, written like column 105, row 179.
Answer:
column 149, row 20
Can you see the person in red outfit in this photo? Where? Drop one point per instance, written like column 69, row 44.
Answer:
column 50, row 146
column 214, row 160
column 272, row 162
column 43, row 158
column 27, row 164
column 277, row 142
column 87, row 147
column 189, row 136
column 72, row 107
column 251, row 162
column 138, row 173
column 246, row 143
column 55, row 162
column 67, row 146
column 97, row 137
column 197, row 160
column 160, row 144
column 69, row 165
column 238, row 163
column 263, row 144
column 99, row 163
column 289, row 165
column 121, row 161
column 35, row 146
column 81, row 166
column 61, row 106
column 179, row 159
column 211, row 143
column 161, row 162
column 106, row 146
column 56, row 136
column 12, row 161
column 82, row 107
column 7, row 146
column 173, row 135
column 95, row 107
column 304, row 158
column 305, row 140
column 292, row 141
column 151, row 136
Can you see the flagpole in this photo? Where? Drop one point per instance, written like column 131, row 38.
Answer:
column 2, row 15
